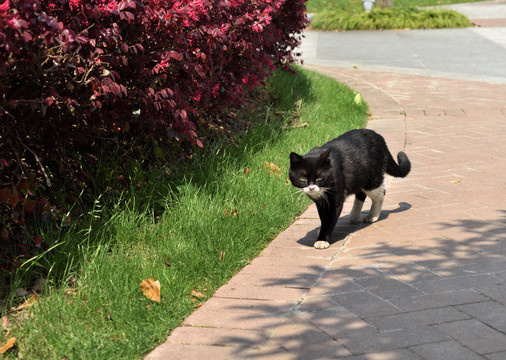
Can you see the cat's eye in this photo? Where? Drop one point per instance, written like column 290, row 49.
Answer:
column 319, row 179
column 303, row 178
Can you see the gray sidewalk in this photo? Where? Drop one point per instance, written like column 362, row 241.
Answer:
column 427, row 281
column 476, row 53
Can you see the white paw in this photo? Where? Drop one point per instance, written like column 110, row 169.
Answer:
column 320, row 244
column 355, row 220
column 370, row 219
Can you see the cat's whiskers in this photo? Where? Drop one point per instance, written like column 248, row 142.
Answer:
column 323, row 195
column 301, row 193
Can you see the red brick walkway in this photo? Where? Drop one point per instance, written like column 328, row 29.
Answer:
column 427, row 281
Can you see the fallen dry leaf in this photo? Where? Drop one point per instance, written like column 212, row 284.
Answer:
column 234, row 212
column 151, row 288
column 28, row 303
column 272, row 168
column 300, row 125
column 10, row 343
column 456, row 181
column 197, row 294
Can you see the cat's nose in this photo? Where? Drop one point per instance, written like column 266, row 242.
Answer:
column 311, row 188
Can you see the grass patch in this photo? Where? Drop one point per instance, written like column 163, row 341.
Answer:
column 225, row 209
column 314, row 6
column 349, row 15
column 388, row 19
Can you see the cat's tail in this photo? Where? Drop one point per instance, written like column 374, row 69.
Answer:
column 400, row 170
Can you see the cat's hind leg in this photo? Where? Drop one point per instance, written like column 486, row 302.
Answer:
column 357, row 207
column 377, row 196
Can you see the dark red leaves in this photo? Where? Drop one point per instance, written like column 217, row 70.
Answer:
column 175, row 55
column 74, row 71
column 202, row 54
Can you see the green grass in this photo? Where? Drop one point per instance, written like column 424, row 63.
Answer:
column 388, row 19
column 195, row 243
column 314, row 6
column 406, row 14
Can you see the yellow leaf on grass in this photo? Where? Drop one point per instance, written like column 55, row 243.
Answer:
column 272, row 168
column 300, row 125
column 28, row 303
column 197, row 294
column 151, row 288
column 10, row 343
column 358, row 99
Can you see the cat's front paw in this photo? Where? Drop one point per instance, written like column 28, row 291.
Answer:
column 370, row 219
column 320, row 244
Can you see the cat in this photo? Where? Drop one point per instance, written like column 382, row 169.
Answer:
column 353, row 163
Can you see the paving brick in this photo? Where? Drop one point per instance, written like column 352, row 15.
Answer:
column 360, row 343
column 246, row 320
column 408, row 272
column 192, row 352
column 291, row 261
column 305, row 341
column 457, row 283
column 191, row 335
column 446, row 350
column 269, row 351
column 272, row 271
column 290, row 279
column 315, row 303
column 475, row 335
column 480, row 266
column 497, row 356
column 491, row 313
column 402, row 354
column 417, row 318
column 330, row 288
column 364, row 304
column 387, row 288
column 496, row 292
column 337, row 322
column 430, row 301
column 246, row 291
column 346, row 273
column 228, row 305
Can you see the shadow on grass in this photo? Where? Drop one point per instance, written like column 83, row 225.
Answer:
column 266, row 130
column 395, row 297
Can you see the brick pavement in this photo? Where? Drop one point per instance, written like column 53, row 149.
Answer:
column 427, row 281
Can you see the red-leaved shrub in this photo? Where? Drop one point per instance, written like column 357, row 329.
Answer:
column 74, row 71
column 80, row 65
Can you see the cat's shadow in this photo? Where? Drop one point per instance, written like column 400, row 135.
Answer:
column 345, row 228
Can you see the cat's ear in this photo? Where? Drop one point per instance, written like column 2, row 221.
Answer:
column 324, row 157
column 295, row 158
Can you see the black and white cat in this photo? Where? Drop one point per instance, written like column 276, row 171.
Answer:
column 353, row 163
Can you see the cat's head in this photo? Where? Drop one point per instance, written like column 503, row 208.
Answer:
column 311, row 173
